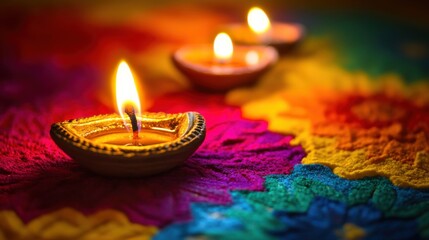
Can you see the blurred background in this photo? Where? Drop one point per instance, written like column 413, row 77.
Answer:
column 74, row 46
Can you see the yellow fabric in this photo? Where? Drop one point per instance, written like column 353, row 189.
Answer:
column 351, row 232
column 296, row 98
column 68, row 223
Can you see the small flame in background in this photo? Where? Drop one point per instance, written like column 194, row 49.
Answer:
column 126, row 92
column 258, row 21
column 252, row 58
column 223, row 48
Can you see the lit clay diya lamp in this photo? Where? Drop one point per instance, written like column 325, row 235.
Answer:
column 223, row 66
column 130, row 144
column 260, row 31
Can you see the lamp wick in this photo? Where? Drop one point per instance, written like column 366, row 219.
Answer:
column 129, row 110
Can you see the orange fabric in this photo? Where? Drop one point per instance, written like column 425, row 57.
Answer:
column 356, row 125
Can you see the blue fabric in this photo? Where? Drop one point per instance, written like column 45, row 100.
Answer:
column 325, row 218
column 311, row 203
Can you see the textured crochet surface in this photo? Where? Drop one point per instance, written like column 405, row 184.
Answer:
column 68, row 224
column 354, row 124
column 237, row 154
column 347, row 104
column 310, row 203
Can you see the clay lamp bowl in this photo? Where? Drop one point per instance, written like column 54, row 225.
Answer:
column 104, row 145
column 139, row 144
column 223, row 66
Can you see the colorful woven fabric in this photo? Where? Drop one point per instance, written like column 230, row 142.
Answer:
column 310, row 203
column 348, row 104
column 226, row 161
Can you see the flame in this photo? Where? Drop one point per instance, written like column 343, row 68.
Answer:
column 126, row 91
column 223, row 48
column 258, row 21
column 252, row 57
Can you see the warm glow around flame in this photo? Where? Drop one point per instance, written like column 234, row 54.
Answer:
column 223, row 48
column 258, row 21
column 126, row 91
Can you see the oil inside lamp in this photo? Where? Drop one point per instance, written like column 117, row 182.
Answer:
column 259, row 30
column 130, row 143
column 223, row 66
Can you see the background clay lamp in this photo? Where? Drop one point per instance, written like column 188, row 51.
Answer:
column 133, row 145
column 260, row 31
column 223, row 66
